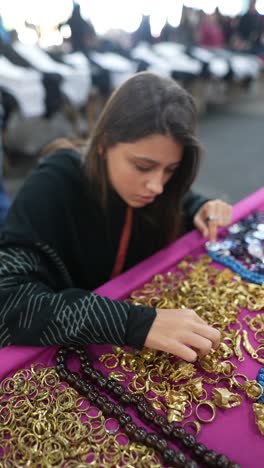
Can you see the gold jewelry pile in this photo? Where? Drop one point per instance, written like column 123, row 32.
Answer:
column 44, row 422
column 180, row 389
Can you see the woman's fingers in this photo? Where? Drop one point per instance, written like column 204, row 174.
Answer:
column 212, row 229
column 180, row 350
column 201, row 224
column 213, row 214
column 200, row 344
column 210, row 333
column 201, row 327
column 183, row 333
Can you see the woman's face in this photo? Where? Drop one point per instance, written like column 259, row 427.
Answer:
column 138, row 171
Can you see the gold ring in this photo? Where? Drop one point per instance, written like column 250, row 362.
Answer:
column 211, row 406
column 194, row 424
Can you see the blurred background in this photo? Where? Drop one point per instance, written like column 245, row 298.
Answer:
column 60, row 60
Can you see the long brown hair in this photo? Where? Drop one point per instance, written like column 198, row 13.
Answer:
column 144, row 105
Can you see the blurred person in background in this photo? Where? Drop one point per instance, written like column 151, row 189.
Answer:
column 184, row 33
column 210, row 32
column 143, row 33
column 227, row 26
column 249, row 32
column 83, row 35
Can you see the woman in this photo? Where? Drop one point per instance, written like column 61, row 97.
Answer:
column 89, row 212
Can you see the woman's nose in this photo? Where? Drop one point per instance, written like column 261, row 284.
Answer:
column 155, row 184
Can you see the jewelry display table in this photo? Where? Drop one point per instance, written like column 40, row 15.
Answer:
column 233, row 432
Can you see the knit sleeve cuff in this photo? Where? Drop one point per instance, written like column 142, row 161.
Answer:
column 139, row 322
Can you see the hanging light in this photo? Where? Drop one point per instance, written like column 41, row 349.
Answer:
column 260, row 7
column 233, row 8
column 175, row 13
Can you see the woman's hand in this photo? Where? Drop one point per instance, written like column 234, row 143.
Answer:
column 183, row 333
column 211, row 215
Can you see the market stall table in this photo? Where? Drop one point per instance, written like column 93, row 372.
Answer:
column 233, row 432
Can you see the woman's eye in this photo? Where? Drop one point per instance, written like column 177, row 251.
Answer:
column 143, row 168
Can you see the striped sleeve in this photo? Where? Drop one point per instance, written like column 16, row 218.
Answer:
column 34, row 312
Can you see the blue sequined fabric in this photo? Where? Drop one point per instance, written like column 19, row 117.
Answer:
column 241, row 248
column 260, row 380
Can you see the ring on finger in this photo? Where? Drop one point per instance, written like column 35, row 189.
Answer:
column 211, row 218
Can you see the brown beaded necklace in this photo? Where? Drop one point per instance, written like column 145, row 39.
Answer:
column 176, row 434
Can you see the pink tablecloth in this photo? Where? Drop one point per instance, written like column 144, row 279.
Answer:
column 234, row 431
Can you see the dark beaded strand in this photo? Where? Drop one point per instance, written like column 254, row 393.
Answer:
column 175, row 433
column 138, row 434
column 207, row 457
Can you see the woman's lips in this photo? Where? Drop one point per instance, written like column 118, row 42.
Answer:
column 147, row 199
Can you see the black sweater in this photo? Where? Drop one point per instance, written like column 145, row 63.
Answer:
column 57, row 246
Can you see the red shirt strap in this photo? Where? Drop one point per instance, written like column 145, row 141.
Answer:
column 123, row 243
